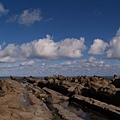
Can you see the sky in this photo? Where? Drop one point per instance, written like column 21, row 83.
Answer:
column 67, row 37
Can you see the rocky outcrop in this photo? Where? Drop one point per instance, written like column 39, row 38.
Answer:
column 13, row 103
column 95, row 91
column 8, row 86
column 55, row 97
column 98, row 105
column 97, row 87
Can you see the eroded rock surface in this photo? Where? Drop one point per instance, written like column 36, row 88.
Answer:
column 28, row 102
column 13, row 103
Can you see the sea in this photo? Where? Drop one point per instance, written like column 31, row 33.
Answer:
column 107, row 77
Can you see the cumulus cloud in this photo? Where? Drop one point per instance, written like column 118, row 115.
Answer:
column 9, row 53
column 27, row 17
column 9, row 50
column 71, row 48
column 114, row 50
column 28, row 63
column 44, row 48
column 98, row 47
column 8, row 59
column 3, row 11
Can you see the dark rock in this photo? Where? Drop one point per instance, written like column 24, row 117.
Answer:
column 116, row 83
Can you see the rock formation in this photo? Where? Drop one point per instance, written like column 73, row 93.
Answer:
column 28, row 97
column 14, row 106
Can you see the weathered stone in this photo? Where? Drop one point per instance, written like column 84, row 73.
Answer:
column 13, row 103
column 71, row 89
column 66, row 114
column 98, row 105
column 33, row 99
column 94, row 87
column 8, row 85
column 55, row 97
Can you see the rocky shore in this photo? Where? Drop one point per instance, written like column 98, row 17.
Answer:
column 31, row 98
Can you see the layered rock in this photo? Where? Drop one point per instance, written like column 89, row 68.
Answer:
column 13, row 104
column 95, row 90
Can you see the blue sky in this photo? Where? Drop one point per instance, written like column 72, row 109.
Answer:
column 68, row 37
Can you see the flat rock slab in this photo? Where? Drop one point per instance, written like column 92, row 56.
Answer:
column 66, row 114
column 98, row 105
column 55, row 97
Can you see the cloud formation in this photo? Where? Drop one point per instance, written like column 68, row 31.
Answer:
column 114, row 50
column 39, row 57
column 98, row 47
column 27, row 17
column 9, row 53
column 89, row 66
column 28, row 63
column 44, row 48
column 31, row 56
column 71, row 48
column 3, row 11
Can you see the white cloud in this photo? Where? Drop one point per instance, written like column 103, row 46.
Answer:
column 3, row 11
column 69, row 68
column 91, row 59
column 29, row 17
column 71, row 48
column 28, row 63
column 44, row 48
column 114, row 50
column 89, row 66
column 43, row 64
column 9, row 53
column 10, row 50
column 8, row 59
column 98, row 47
